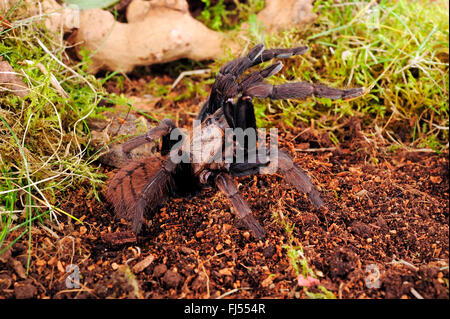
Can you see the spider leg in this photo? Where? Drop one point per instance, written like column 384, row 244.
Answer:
column 270, row 54
column 246, row 168
column 237, row 66
column 226, row 77
column 229, row 73
column 227, row 186
column 258, row 76
column 258, row 55
column 242, row 113
column 300, row 90
column 291, row 172
column 162, row 129
column 298, row 178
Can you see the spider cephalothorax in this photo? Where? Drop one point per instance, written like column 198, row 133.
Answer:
column 196, row 160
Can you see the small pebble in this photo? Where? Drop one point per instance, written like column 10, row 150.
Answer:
column 199, row 234
column 24, row 290
column 159, row 270
column 172, row 279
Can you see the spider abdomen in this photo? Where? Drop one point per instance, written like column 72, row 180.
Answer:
column 126, row 186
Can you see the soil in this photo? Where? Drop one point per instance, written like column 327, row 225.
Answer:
column 386, row 218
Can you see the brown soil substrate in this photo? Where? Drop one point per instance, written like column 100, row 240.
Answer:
column 392, row 215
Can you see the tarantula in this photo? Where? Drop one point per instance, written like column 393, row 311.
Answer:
column 143, row 185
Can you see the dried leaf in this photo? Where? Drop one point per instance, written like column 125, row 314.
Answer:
column 10, row 81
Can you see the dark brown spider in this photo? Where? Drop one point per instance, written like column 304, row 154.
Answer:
column 143, row 185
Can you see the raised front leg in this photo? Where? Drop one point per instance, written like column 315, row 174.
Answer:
column 225, row 86
column 241, row 114
column 300, row 90
column 240, row 207
column 269, row 54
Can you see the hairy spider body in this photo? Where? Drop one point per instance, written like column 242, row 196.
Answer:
column 197, row 159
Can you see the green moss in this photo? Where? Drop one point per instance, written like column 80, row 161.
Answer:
column 44, row 138
column 221, row 17
column 398, row 50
